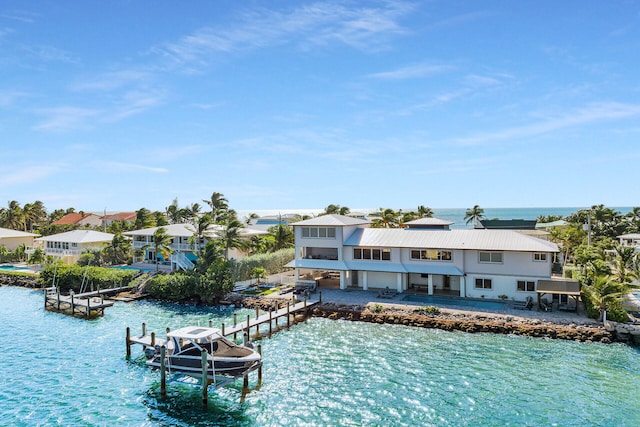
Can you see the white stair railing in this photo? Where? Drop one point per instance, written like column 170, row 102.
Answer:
column 181, row 261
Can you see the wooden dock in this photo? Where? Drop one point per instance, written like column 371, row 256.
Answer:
column 288, row 311
column 271, row 317
column 87, row 305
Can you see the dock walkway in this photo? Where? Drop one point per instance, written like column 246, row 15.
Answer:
column 270, row 317
column 87, row 304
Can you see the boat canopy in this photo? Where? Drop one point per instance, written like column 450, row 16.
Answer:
column 194, row 333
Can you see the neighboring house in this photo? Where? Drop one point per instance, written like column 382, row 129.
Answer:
column 79, row 219
column 632, row 240
column 465, row 262
column 428, row 223
column 127, row 217
column 70, row 245
column 11, row 239
column 527, row 227
column 184, row 248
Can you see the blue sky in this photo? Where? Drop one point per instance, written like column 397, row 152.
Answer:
column 287, row 104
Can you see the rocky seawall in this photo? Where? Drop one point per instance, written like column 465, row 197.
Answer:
column 18, row 280
column 586, row 331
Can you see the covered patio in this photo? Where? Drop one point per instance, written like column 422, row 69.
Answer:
column 565, row 294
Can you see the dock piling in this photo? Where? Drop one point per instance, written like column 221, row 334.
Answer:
column 259, row 349
column 288, row 316
column 153, row 339
column 163, row 372
column 205, row 380
column 128, row 339
column 144, row 329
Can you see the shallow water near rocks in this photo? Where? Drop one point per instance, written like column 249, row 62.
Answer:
column 64, row 371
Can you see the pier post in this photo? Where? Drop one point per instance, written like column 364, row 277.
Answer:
column 235, row 323
column 211, row 323
column 288, row 316
column 205, row 380
column 153, row 339
column 257, row 312
column 222, row 329
column 128, row 343
column 270, row 322
column 163, row 372
column 248, row 327
column 144, row 329
column 259, row 348
column 245, row 338
column 58, row 292
column 72, row 305
column 305, row 305
column 88, row 307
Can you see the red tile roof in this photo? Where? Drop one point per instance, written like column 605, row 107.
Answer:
column 121, row 216
column 71, row 218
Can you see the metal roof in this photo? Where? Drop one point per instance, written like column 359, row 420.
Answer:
column 429, row 221
column 78, row 236
column 490, row 240
column 332, row 220
column 6, row 233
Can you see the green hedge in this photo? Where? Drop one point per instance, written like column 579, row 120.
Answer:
column 70, row 277
column 241, row 269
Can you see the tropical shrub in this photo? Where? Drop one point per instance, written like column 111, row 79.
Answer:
column 242, row 269
column 69, row 277
column 377, row 308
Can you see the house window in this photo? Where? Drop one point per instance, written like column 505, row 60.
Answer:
column 483, row 284
column 431, row 255
column 491, row 257
column 539, row 257
column 526, row 286
column 319, row 232
column 375, row 254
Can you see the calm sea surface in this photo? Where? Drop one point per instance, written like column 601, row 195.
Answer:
column 63, row 371
column 455, row 215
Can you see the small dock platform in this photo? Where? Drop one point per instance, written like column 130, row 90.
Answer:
column 87, row 305
column 271, row 318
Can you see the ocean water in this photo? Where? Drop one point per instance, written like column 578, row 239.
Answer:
column 455, row 215
column 63, row 371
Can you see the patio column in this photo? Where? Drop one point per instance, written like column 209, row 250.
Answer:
column 430, row 284
column 365, row 285
column 343, row 280
column 296, row 275
column 399, row 282
column 463, row 286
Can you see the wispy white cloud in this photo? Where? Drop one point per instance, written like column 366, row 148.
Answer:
column 65, row 118
column 9, row 98
column 114, row 80
column 584, row 116
column 134, row 103
column 128, row 167
column 27, row 174
column 317, row 24
column 50, row 54
column 20, row 16
column 411, row 72
column 458, row 20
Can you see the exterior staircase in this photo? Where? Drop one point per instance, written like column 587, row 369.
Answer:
column 181, row 261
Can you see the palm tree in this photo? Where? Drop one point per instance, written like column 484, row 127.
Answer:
column 250, row 218
column 283, row 236
column 143, row 219
column 118, row 251
column 34, row 215
column 386, row 218
column 604, row 293
column 160, row 242
column 231, row 236
column 475, row 214
column 173, row 212
column 219, row 205
column 425, row 212
column 200, row 226
column 12, row 216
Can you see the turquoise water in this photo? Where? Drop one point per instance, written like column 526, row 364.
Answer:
column 64, row 371
column 429, row 299
column 7, row 267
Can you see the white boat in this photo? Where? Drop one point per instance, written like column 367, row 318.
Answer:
column 183, row 354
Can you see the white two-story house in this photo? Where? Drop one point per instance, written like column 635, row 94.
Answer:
column 469, row 263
